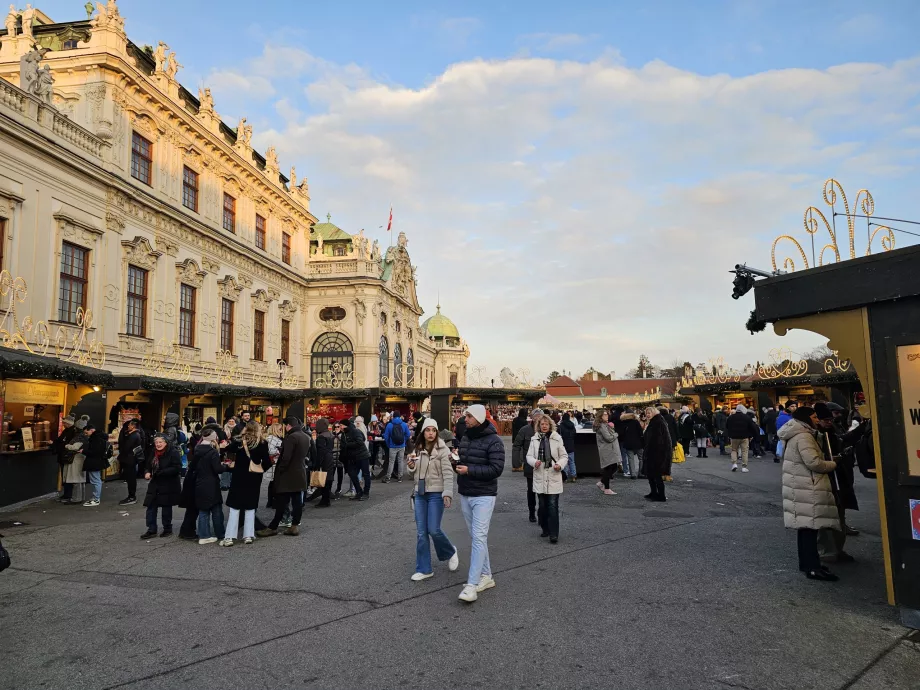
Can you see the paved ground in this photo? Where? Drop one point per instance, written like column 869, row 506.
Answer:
column 702, row 592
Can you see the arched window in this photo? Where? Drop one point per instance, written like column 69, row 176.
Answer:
column 384, row 361
column 331, row 361
column 397, row 365
column 410, row 367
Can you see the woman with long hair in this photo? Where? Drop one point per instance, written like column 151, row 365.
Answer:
column 608, row 449
column 324, row 461
column 547, row 456
column 657, row 454
column 251, row 459
column 207, row 468
column 433, row 475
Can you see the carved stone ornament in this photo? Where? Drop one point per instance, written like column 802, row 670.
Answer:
column 360, row 311
column 245, row 280
column 76, row 229
column 273, row 294
column 287, row 309
column 261, row 300
column 210, row 265
column 188, row 272
column 139, row 253
column 229, row 289
column 166, row 245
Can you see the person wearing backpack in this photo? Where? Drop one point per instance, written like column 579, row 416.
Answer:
column 396, row 434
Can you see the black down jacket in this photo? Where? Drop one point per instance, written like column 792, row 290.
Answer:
column 164, row 487
column 483, row 452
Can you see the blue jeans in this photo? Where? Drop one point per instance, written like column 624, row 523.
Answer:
column 630, row 460
column 95, row 478
column 429, row 508
column 477, row 511
column 571, row 468
column 152, row 518
column 214, row 514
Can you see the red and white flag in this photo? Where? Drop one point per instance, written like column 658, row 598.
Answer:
column 390, row 222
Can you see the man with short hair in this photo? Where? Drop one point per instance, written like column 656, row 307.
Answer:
column 290, row 478
column 357, row 459
column 720, row 422
column 396, row 435
column 741, row 429
column 482, row 459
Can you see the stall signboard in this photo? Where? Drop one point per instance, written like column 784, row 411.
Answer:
column 36, row 392
column 210, row 412
column 909, row 376
column 28, row 442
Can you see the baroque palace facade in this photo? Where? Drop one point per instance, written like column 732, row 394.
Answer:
column 126, row 198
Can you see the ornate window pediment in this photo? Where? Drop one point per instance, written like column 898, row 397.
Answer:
column 140, row 253
column 261, row 300
column 287, row 309
column 229, row 289
column 189, row 273
column 76, row 228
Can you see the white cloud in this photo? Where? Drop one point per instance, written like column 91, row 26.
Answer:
column 552, row 42
column 577, row 213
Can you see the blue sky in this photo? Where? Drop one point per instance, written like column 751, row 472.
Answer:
column 562, row 162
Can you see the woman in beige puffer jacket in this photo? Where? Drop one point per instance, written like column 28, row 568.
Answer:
column 808, row 501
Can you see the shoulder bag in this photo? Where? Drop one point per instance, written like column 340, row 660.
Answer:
column 253, row 467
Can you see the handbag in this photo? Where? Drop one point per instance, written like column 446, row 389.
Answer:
column 253, row 467
column 318, row 479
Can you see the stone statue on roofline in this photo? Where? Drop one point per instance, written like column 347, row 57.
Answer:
column 205, row 101
column 243, row 133
column 44, row 89
column 11, row 22
column 28, row 18
column 29, row 76
column 271, row 158
column 172, row 66
column 159, row 56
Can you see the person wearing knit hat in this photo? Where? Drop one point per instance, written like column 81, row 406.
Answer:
column 481, row 462
column 65, row 457
column 82, row 422
column 740, row 429
column 831, row 542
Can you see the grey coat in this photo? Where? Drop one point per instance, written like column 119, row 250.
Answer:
column 608, row 446
column 808, row 501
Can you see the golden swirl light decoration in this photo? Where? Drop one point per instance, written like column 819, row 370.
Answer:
column 35, row 337
column 165, row 362
column 814, row 218
column 288, row 378
column 782, row 365
column 340, row 377
column 834, row 363
column 403, row 377
column 718, row 372
column 225, row 369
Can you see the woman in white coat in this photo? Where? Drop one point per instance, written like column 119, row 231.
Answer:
column 547, row 456
column 808, row 501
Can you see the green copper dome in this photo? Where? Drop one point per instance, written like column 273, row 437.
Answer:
column 439, row 326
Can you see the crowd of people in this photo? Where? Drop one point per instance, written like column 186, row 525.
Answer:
column 203, row 468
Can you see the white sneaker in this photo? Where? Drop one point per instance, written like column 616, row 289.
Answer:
column 225, row 542
column 454, row 561
column 209, row 540
column 744, row 469
column 600, row 485
column 485, row 582
column 248, row 540
column 468, row 594
column 91, row 503
column 735, row 467
column 284, row 525
column 418, row 577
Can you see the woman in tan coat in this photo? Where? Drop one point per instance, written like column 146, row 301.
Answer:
column 547, row 456
column 433, row 476
column 808, row 501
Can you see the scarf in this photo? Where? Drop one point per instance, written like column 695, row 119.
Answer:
column 155, row 462
column 546, row 454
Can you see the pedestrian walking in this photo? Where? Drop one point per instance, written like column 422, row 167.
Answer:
column 357, row 459
column 741, row 429
column 720, row 421
column 250, row 449
column 701, row 433
column 433, row 491
column 519, row 449
column 208, row 501
column 685, row 429
column 547, row 456
column 290, row 478
column 396, row 435
column 568, row 431
column 519, row 422
column 657, row 453
column 324, row 460
column 608, row 450
column 808, row 499
column 480, row 464
column 163, row 468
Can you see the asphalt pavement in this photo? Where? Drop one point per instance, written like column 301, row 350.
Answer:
column 700, row 592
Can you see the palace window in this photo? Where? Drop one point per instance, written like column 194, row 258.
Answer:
column 384, row 360
column 397, row 365
column 141, row 159
column 286, row 248
column 410, row 367
column 286, row 341
column 338, row 250
column 331, row 357
column 74, row 269
column 258, row 335
column 331, row 314
column 69, row 44
column 137, row 302
column 229, row 213
column 260, row 232
column 187, row 299
column 226, row 325
column 190, row 189
column 453, row 379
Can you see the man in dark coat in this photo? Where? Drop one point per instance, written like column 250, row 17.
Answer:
column 357, row 459
column 519, row 449
column 324, row 460
column 96, row 462
column 630, row 440
column 685, row 429
column 657, row 454
column 171, row 428
column 720, row 421
column 569, row 431
column 130, row 453
column 290, row 478
column 831, row 542
column 769, row 428
column 163, row 490
column 517, row 424
column 482, row 460
column 741, row 429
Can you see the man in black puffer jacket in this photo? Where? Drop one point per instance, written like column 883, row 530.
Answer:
column 356, row 458
column 482, row 459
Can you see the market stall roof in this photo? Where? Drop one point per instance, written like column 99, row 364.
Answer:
column 19, row 364
column 158, row 385
column 493, row 393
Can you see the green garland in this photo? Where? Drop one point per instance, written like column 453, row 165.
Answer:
column 37, row 367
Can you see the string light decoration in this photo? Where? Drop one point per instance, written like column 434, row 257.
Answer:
column 224, row 369
column 165, row 362
column 814, row 218
column 781, row 365
column 832, row 364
